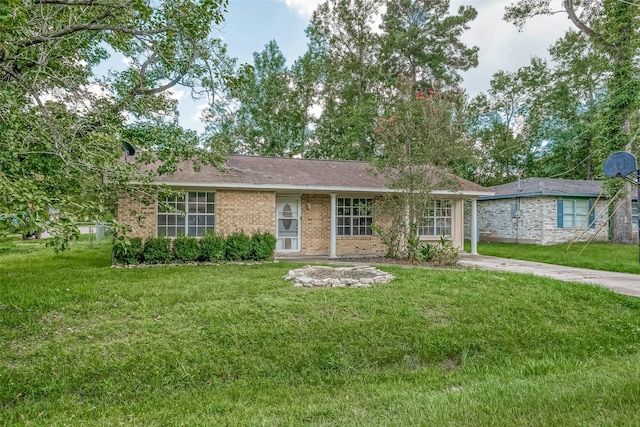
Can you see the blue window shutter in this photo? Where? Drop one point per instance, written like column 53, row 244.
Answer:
column 592, row 215
column 559, row 204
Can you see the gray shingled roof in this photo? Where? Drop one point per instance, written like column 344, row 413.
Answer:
column 533, row 187
column 284, row 172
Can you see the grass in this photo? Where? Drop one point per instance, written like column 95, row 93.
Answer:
column 597, row 256
column 85, row 344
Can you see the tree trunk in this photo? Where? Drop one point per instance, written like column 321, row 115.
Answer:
column 622, row 220
column 622, row 223
column 589, row 165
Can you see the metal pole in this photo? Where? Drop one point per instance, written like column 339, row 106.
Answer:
column 638, row 205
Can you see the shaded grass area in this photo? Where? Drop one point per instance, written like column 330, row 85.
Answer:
column 597, row 256
column 85, row 344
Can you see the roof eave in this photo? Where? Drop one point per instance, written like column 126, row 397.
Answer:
column 312, row 188
column 550, row 194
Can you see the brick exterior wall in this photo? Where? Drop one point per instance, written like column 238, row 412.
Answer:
column 316, row 228
column 252, row 211
column 536, row 224
column 141, row 216
column 359, row 245
column 315, row 223
column 246, row 211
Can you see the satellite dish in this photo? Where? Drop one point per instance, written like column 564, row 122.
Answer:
column 621, row 163
column 128, row 148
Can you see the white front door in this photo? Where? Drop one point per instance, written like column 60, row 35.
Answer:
column 288, row 224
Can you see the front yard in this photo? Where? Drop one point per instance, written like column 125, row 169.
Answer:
column 597, row 256
column 85, row 344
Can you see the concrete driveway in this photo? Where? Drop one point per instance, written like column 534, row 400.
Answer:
column 623, row 283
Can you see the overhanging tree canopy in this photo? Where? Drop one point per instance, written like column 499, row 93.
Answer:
column 63, row 115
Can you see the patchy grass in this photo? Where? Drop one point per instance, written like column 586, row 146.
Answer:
column 85, row 344
column 597, row 256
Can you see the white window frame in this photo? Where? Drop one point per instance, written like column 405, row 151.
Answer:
column 437, row 219
column 572, row 218
column 192, row 214
column 352, row 218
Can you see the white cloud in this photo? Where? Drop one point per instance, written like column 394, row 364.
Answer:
column 176, row 94
column 126, row 60
column 201, row 112
column 303, row 7
column 502, row 47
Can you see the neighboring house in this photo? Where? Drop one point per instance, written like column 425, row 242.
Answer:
column 544, row 211
column 313, row 207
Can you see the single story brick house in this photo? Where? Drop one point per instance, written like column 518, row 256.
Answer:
column 313, row 207
column 543, row 211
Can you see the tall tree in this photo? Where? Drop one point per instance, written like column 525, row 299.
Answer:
column 611, row 26
column 421, row 40
column 573, row 101
column 419, row 140
column 344, row 51
column 62, row 125
column 503, row 124
column 271, row 119
column 359, row 54
column 542, row 119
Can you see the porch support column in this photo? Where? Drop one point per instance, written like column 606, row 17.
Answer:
column 474, row 226
column 332, row 231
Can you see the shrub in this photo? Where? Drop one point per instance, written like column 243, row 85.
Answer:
column 262, row 246
column 157, row 250
column 212, row 247
column 414, row 246
column 238, row 247
column 186, row 249
column 445, row 254
column 425, row 252
column 127, row 250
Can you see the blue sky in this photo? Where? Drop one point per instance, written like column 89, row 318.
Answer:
column 250, row 24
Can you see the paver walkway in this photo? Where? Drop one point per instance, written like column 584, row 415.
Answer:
column 623, row 283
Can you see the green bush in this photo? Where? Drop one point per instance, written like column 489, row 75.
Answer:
column 425, row 252
column 213, row 247
column 186, row 249
column 157, row 250
column 127, row 250
column 445, row 254
column 262, row 246
column 238, row 247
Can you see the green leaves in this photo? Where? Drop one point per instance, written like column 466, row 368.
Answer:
column 272, row 116
column 422, row 41
column 62, row 119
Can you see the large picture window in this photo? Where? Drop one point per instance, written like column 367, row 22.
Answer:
column 354, row 217
column 437, row 219
column 189, row 215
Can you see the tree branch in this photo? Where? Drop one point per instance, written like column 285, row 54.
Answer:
column 91, row 27
column 158, row 89
column 584, row 28
column 569, row 7
column 79, row 3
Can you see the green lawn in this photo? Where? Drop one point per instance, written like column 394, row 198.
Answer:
column 85, row 344
column 598, row 256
